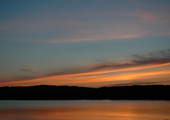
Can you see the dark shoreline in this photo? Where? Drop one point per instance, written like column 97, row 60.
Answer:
column 50, row 92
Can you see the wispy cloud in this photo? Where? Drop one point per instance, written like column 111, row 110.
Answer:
column 151, row 59
column 80, row 32
column 143, row 4
column 31, row 70
column 144, row 61
column 132, row 25
column 138, row 62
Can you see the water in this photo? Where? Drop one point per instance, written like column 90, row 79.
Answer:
column 84, row 110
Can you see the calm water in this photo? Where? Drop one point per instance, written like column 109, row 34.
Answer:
column 85, row 110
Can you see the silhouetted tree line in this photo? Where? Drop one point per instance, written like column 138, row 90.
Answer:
column 49, row 92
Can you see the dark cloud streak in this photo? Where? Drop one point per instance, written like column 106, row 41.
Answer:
column 137, row 83
column 30, row 71
column 157, row 58
column 150, row 60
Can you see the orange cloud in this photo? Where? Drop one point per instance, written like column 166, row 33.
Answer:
column 84, row 79
column 148, row 17
column 159, row 58
column 152, row 17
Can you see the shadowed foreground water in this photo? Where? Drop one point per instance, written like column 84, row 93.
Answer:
column 84, row 110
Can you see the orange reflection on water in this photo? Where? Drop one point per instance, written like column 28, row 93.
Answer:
column 91, row 110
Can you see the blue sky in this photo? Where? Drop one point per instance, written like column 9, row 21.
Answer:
column 66, row 42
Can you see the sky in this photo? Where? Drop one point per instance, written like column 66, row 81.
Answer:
column 90, row 43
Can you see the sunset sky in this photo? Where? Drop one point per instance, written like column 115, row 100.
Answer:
column 89, row 43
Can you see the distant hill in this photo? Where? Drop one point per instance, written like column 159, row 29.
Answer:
column 49, row 92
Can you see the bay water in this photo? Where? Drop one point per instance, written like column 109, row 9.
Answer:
column 84, row 110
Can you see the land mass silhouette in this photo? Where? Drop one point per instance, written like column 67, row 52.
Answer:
column 50, row 92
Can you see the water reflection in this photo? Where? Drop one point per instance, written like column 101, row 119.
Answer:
column 84, row 110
